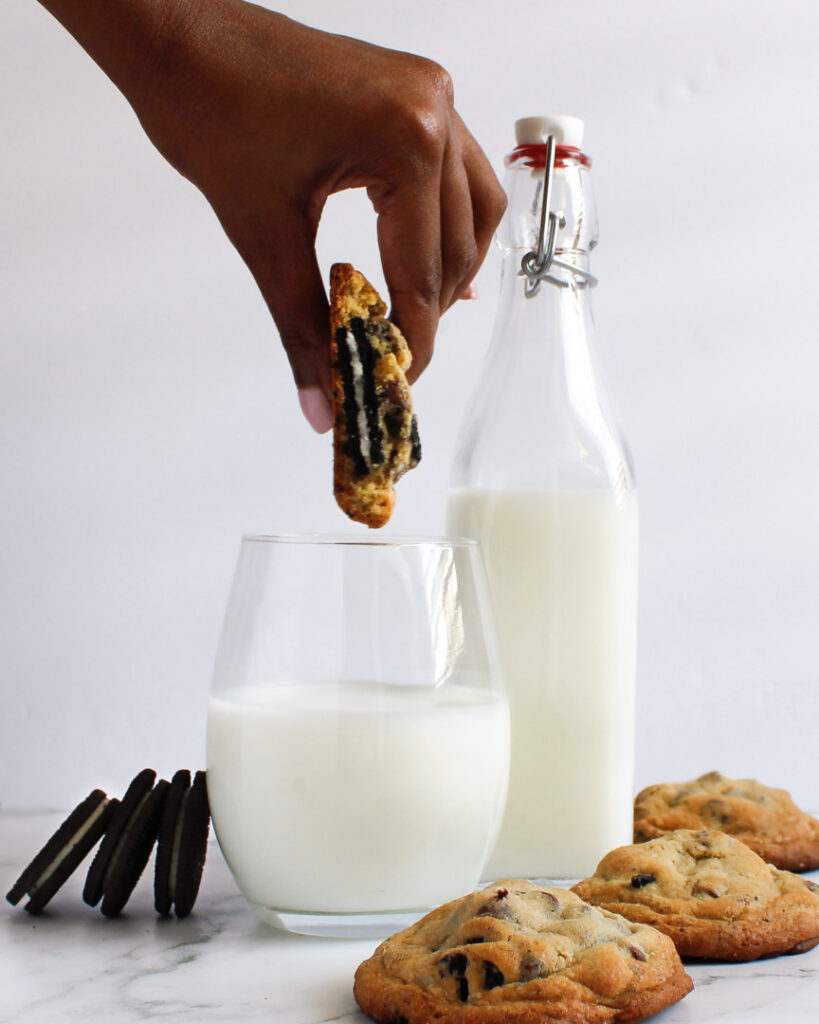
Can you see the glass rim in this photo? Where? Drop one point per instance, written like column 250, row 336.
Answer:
column 341, row 540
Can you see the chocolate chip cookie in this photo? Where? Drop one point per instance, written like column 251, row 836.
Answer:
column 711, row 895
column 767, row 820
column 375, row 433
column 516, row 953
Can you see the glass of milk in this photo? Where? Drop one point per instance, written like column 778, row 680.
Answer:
column 358, row 732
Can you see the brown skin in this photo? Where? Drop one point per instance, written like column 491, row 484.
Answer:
column 268, row 118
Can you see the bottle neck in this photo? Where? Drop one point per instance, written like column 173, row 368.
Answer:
column 570, row 201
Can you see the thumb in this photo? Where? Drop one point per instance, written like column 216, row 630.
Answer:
column 283, row 262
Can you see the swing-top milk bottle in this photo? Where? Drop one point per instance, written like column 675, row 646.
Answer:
column 543, row 479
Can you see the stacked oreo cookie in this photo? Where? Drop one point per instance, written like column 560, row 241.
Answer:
column 173, row 814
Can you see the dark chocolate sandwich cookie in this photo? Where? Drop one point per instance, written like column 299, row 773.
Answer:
column 64, row 851
column 167, row 844
column 133, row 850
column 139, row 788
column 182, row 846
column 192, row 846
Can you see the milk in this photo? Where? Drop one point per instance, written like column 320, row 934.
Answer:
column 354, row 797
column 563, row 573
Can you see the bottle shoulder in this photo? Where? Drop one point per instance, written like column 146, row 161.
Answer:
column 541, row 416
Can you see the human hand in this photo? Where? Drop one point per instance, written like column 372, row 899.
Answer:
column 269, row 118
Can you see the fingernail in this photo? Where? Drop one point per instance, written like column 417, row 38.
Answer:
column 470, row 292
column 316, row 409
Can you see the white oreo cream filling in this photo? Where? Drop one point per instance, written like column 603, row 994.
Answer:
column 177, row 844
column 69, row 846
column 358, row 387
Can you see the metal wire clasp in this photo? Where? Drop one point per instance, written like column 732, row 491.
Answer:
column 537, row 263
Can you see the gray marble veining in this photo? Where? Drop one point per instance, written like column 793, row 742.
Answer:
column 223, row 965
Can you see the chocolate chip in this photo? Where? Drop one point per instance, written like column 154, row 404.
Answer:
column 492, row 975
column 393, row 393
column 530, row 968
column 463, row 989
column 552, row 899
column 638, row 881
column 501, row 894
column 637, row 953
column 394, row 422
column 716, row 810
column 415, row 442
column 498, row 909
column 456, row 963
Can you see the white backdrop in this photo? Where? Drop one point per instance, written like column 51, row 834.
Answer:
column 147, row 416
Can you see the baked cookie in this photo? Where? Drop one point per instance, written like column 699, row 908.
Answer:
column 515, row 953
column 375, row 434
column 765, row 819
column 710, row 894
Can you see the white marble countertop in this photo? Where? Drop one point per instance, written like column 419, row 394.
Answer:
column 222, row 964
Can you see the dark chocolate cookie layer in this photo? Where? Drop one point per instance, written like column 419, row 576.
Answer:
column 64, row 851
column 95, row 879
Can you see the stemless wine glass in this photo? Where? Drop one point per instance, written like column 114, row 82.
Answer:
column 358, row 734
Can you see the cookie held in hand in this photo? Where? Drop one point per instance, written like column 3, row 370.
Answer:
column 375, row 434
column 515, row 953
column 765, row 819
column 711, row 895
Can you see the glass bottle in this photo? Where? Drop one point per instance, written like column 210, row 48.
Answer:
column 542, row 478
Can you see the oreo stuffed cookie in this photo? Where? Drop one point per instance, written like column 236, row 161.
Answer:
column 516, row 953
column 375, row 433
column 711, row 895
column 765, row 819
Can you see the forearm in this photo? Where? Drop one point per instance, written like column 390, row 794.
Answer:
column 132, row 41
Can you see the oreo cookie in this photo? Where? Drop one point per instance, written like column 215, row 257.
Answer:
column 176, row 813
column 64, row 851
column 133, row 850
column 182, row 847
column 136, row 792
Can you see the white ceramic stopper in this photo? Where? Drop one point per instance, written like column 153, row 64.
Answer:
column 532, row 131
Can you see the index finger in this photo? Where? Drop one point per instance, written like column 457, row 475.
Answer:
column 409, row 237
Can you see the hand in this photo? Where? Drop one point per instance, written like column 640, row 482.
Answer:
column 269, row 118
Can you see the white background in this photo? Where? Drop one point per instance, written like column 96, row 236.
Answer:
column 147, row 416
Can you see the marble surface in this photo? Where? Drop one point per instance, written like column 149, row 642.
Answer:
column 221, row 964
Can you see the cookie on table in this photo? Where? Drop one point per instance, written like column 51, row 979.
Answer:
column 375, row 434
column 713, row 896
column 133, row 850
column 182, row 845
column 516, row 953
column 64, row 851
column 138, row 789
column 765, row 819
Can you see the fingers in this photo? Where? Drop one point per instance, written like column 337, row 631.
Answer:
column 434, row 231
column 459, row 253
column 486, row 192
column 283, row 262
column 409, row 237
